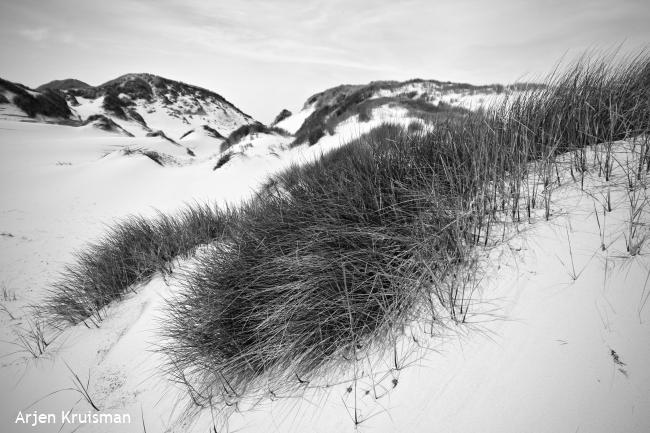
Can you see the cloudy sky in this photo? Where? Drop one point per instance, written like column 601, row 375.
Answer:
column 264, row 55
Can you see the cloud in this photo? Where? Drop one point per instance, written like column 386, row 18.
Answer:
column 36, row 34
column 43, row 34
column 307, row 32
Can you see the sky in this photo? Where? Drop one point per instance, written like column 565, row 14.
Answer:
column 266, row 55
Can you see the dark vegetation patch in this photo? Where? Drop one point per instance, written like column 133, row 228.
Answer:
column 314, row 127
column 137, row 117
column 133, row 85
column 314, row 135
column 66, row 84
column 88, row 93
column 48, row 103
column 114, row 105
column 331, row 96
column 156, row 157
column 254, row 128
column 130, row 253
column 415, row 127
column 122, row 108
column 212, row 132
column 177, row 88
column 13, row 87
column 160, row 134
column 415, row 107
column 72, row 100
column 106, row 124
column 281, row 116
column 186, row 134
column 223, row 160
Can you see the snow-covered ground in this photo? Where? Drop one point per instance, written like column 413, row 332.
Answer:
column 559, row 341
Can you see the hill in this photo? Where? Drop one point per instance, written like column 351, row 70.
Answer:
column 17, row 99
column 138, row 103
column 66, row 84
column 419, row 99
column 141, row 103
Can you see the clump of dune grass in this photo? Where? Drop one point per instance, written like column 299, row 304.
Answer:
column 245, row 130
column 327, row 260
column 161, row 159
column 223, row 160
column 335, row 258
column 131, row 252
